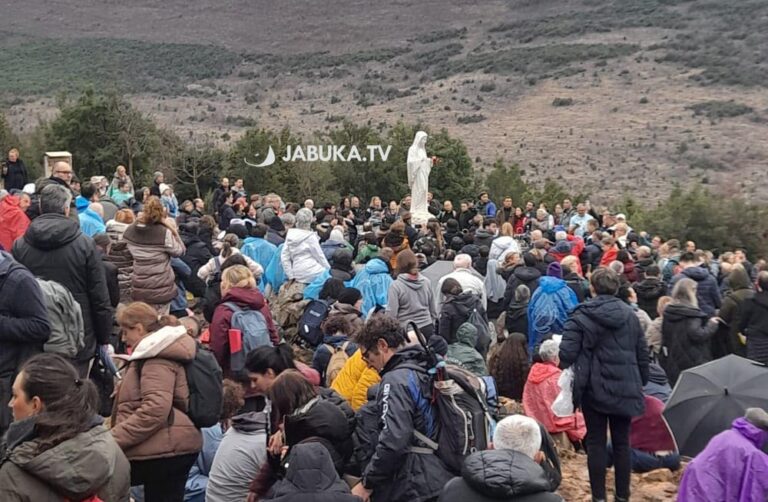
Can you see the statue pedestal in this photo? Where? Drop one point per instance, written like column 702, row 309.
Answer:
column 421, row 218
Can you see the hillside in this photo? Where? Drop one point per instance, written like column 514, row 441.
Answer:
column 607, row 96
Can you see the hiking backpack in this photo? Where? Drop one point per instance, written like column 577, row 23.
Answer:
column 253, row 332
column 311, row 321
column 66, row 319
column 339, row 358
column 206, row 394
column 465, row 410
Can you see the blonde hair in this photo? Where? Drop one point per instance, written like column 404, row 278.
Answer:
column 13, row 150
column 507, row 229
column 237, row 276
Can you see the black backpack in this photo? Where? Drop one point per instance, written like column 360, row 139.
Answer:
column 310, row 324
column 206, row 394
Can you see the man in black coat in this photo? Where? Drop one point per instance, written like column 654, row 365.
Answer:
column 157, row 180
column 218, row 195
column 649, row 290
column 55, row 249
column 401, row 468
column 707, row 290
column 754, row 321
column 24, row 326
column 512, row 471
column 605, row 345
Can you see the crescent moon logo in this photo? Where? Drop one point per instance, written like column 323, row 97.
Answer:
column 267, row 162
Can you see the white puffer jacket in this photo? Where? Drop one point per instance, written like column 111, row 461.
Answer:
column 302, row 257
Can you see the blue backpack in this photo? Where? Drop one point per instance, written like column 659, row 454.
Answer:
column 253, row 329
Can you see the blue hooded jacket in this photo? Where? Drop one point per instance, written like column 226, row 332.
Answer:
column 548, row 310
column 373, row 282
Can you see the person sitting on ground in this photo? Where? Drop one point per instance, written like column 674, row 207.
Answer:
column 349, row 306
column 57, row 448
column 509, row 366
column 653, row 446
column 228, row 248
column 733, row 466
column 337, row 331
column 469, row 279
column 511, row 471
column 541, row 390
column 462, row 352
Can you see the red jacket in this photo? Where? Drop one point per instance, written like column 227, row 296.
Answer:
column 540, row 392
column 13, row 221
column 222, row 322
column 577, row 247
column 609, row 256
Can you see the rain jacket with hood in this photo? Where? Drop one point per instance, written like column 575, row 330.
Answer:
column 259, row 250
column 241, row 453
column 396, row 472
column 354, row 380
column 149, row 416
column 245, row 298
column 732, row 467
column 152, row 247
column 754, row 324
column 368, row 252
column 373, row 282
column 603, row 342
column 707, row 292
column 540, row 391
column 648, row 293
column 410, row 299
column 548, row 310
column 455, row 312
column 90, row 221
column 462, row 352
column 89, row 464
column 685, row 339
column 13, row 221
column 54, row 249
column 310, row 477
column 492, row 475
column 301, row 257
column 727, row 339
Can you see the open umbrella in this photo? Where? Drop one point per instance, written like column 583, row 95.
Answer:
column 709, row 397
column 437, row 271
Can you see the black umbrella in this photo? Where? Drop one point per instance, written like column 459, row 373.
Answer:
column 709, row 397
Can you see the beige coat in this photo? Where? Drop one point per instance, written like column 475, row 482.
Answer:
column 149, row 417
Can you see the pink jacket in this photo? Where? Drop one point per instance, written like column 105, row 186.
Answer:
column 540, row 392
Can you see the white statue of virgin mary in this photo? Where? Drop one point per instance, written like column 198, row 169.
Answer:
column 419, row 166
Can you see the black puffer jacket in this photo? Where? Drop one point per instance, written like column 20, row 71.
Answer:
column 55, row 249
column 395, row 473
column 707, row 290
column 499, row 475
column 517, row 318
column 455, row 312
column 310, row 478
column 196, row 256
column 648, row 293
column 754, row 324
column 322, row 418
column 603, row 341
column 528, row 276
column 685, row 339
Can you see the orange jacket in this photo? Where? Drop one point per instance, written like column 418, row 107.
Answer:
column 13, row 221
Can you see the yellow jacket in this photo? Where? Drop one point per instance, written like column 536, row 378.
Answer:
column 354, row 380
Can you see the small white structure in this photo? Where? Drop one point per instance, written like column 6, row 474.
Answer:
column 51, row 158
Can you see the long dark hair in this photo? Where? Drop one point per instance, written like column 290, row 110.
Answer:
column 509, row 366
column 289, row 392
column 264, row 358
column 69, row 403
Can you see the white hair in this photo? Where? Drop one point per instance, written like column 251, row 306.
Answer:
column 560, row 235
column 304, row 218
column 549, row 350
column 462, row 261
column 519, row 433
column 616, row 266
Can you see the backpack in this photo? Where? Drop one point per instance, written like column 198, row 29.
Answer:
column 206, row 394
column 311, row 320
column 254, row 332
column 66, row 319
column 338, row 359
column 465, row 410
column 480, row 322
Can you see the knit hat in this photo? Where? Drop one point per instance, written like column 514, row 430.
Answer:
column 163, row 188
column 350, row 296
column 555, row 270
column 757, row 417
column 563, row 247
column 438, row 344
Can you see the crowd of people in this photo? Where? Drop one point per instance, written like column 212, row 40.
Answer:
column 326, row 327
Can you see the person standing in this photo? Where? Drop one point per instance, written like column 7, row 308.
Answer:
column 603, row 342
column 14, row 171
column 54, row 249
